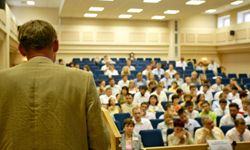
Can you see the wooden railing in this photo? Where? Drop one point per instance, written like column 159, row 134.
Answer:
column 113, row 131
column 239, row 146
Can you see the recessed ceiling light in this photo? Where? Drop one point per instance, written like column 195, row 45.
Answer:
column 210, row 11
column 135, row 10
column 125, row 16
column 171, row 12
column 195, row 2
column 238, row 2
column 96, row 8
column 31, row 3
column 158, row 17
column 151, row 1
column 90, row 15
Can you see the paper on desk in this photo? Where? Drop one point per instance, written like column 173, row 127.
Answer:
column 219, row 145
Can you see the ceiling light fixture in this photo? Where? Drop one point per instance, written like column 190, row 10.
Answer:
column 195, row 2
column 171, row 12
column 210, row 11
column 91, row 15
column 125, row 16
column 151, row 1
column 134, row 10
column 238, row 2
column 158, row 17
column 96, row 8
column 30, row 3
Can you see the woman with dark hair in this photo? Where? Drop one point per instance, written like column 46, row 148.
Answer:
column 180, row 136
column 153, row 104
column 112, row 107
column 199, row 101
column 101, row 88
column 122, row 96
column 87, row 68
column 129, row 139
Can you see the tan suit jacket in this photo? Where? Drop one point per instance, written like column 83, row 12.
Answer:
column 44, row 106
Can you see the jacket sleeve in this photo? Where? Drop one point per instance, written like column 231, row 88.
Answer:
column 98, row 135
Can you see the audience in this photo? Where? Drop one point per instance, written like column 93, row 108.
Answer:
column 192, row 114
column 166, row 80
column 142, row 95
column 145, row 113
column 167, row 123
column 140, row 81
column 129, row 139
column 122, row 96
column 182, row 63
column 171, row 71
column 180, row 136
column 140, row 123
column 206, row 111
column 128, row 105
column 230, row 118
column 223, row 109
column 217, row 86
column 124, row 81
column 101, row 88
column 208, row 132
column 111, row 71
column 153, row 104
column 105, row 98
column 239, row 133
column 114, row 87
column 131, row 87
column 189, row 124
column 112, row 107
column 158, row 71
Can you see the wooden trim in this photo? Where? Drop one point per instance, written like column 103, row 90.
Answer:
column 113, row 131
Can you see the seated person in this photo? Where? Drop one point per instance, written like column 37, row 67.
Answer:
column 153, row 104
column 171, row 71
column 175, row 103
column 208, row 94
column 129, row 139
column 189, row 124
column 158, row 71
column 174, row 87
column 167, row 123
column 160, row 93
column 232, row 116
column 208, row 131
column 178, row 79
column 189, row 106
column 147, row 70
column 101, row 88
column 112, row 107
column 199, row 101
column 239, row 133
column 182, row 63
column 142, row 95
column 145, row 113
column 180, row 136
column 140, row 81
column 131, row 87
column 247, row 119
column 111, row 71
column 128, row 105
column 206, row 111
column 122, row 96
column 140, row 123
column 115, row 88
column 166, row 80
column 217, row 86
column 223, row 109
column 105, row 98
column 124, row 81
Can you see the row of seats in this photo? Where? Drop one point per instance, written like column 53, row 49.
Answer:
column 153, row 138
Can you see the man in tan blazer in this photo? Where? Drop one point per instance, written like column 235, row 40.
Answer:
column 44, row 106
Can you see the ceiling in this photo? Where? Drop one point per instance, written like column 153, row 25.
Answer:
column 77, row 8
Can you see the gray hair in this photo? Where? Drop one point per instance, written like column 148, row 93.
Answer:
column 36, row 35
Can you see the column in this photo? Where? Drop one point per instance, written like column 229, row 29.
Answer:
column 174, row 41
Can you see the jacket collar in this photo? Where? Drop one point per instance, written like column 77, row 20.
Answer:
column 40, row 59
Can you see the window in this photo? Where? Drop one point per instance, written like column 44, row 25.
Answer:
column 224, row 21
column 243, row 16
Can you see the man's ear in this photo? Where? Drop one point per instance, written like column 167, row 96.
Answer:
column 55, row 46
column 21, row 50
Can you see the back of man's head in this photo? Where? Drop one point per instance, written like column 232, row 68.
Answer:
column 36, row 35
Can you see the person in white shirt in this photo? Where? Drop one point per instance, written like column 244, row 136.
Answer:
column 128, row 105
column 164, row 125
column 160, row 94
column 145, row 112
column 235, row 97
column 178, row 79
column 213, row 66
column 107, row 59
column 124, row 81
column 171, row 71
column 185, row 86
column 140, row 123
column 247, row 119
column 129, row 65
column 192, row 114
column 182, row 63
column 232, row 116
column 200, row 67
column 208, row 94
column 105, row 98
column 147, row 70
column 111, row 71
column 217, row 86
column 132, row 88
column 115, row 88
column 158, row 71
column 225, row 91
column 166, row 80
column 154, row 105
column 142, row 95
column 239, row 133
column 140, row 81
column 189, row 124
column 105, row 67
column 222, row 110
